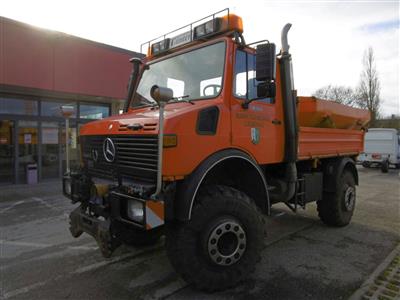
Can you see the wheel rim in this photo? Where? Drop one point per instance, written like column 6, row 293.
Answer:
column 227, row 243
column 349, row 198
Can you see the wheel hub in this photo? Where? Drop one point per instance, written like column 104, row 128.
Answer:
column 226, row 243
column 349, row 198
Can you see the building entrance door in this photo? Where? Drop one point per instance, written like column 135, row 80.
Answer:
column 7, row 147
column 28, row 142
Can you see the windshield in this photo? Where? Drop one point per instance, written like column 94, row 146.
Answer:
column 192, row 75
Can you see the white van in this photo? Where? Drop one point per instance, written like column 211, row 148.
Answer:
column 381, row 148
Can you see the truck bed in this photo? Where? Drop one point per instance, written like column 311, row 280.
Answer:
column 329, row 129
column 327, row 142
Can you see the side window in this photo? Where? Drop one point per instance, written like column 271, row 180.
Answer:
column 245, row 83
column 240, row 77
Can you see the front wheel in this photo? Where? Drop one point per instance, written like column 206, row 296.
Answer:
column 336, row 209
column 221, row 243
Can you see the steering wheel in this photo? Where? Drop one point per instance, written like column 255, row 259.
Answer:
column 216, row 88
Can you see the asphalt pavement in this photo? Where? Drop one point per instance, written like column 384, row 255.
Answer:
column 303, row 258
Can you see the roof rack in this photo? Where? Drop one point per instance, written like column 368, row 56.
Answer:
column 189, row 27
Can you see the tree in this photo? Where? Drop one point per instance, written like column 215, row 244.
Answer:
column 340, row 94
column 369, row 87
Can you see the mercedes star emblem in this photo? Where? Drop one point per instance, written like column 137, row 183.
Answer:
column 109, row 150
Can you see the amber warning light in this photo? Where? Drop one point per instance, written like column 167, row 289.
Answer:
column 215, row 26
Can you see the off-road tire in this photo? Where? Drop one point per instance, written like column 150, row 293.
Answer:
column 332, row 208
column 385, row 166
column 188, row 245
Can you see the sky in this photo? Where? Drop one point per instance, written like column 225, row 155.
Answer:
column 327, row 39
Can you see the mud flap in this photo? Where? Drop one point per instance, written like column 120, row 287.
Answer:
column 98, row 229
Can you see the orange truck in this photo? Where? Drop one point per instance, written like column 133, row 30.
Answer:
column 212, row 136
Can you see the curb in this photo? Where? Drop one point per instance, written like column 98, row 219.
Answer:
column 370, row 282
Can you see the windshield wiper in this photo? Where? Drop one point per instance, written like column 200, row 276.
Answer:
column 174, row 100
column 182, row 98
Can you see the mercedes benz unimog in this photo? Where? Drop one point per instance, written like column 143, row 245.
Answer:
column 212, row 136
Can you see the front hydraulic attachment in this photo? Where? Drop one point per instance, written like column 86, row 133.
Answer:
column 99, row 229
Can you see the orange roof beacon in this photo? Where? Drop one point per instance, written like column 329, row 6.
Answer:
column 212, row 136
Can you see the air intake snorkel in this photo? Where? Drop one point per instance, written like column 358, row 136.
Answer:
column 132, row 80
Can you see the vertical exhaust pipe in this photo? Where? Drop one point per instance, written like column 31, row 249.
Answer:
column 290, row 115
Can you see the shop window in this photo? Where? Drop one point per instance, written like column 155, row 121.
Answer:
column 92, row 111
column 53, row 109
column 17, row 106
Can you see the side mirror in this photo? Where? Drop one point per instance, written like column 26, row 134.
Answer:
column 161, row 94
column 266, row 90
column 265, row 62
column 266, row 70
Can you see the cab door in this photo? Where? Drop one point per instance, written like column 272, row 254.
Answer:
column 257, row 129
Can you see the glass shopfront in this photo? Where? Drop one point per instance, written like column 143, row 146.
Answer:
column 7, row 147
column 32, row 132
column 27, row 147
column 50, row 149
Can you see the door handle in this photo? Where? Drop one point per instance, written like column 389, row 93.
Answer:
column 276, row 122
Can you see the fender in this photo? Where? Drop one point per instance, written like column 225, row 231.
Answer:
column 334, row 170
column 188, row 189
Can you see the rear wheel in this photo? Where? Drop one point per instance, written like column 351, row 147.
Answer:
column 365, row 164
column 221, row 244
column 385, row 166
column 336, row 209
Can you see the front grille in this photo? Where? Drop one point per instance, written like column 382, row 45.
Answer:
column 136, row 156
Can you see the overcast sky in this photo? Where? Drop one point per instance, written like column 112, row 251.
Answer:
column 327, row 39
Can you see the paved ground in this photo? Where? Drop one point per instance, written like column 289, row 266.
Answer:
column 303, row 258
column 384, row 282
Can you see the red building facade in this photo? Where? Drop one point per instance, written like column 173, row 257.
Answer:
column 40, row 70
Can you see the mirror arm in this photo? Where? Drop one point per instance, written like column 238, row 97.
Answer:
column 246, row 103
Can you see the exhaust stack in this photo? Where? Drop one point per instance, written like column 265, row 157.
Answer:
column 290, row 115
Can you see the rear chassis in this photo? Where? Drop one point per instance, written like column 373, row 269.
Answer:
column 102, row 212
column 369, row 160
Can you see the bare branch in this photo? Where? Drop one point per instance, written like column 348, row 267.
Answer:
column 368, row 89
column 340, row 94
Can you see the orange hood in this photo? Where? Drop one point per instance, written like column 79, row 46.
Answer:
column 146, row 118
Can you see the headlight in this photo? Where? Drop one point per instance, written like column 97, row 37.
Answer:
column 135, row 211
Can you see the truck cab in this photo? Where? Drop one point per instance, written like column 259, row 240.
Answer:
column 209, row 140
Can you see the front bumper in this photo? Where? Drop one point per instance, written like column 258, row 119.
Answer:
column 78, row 188
column 100, row 219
